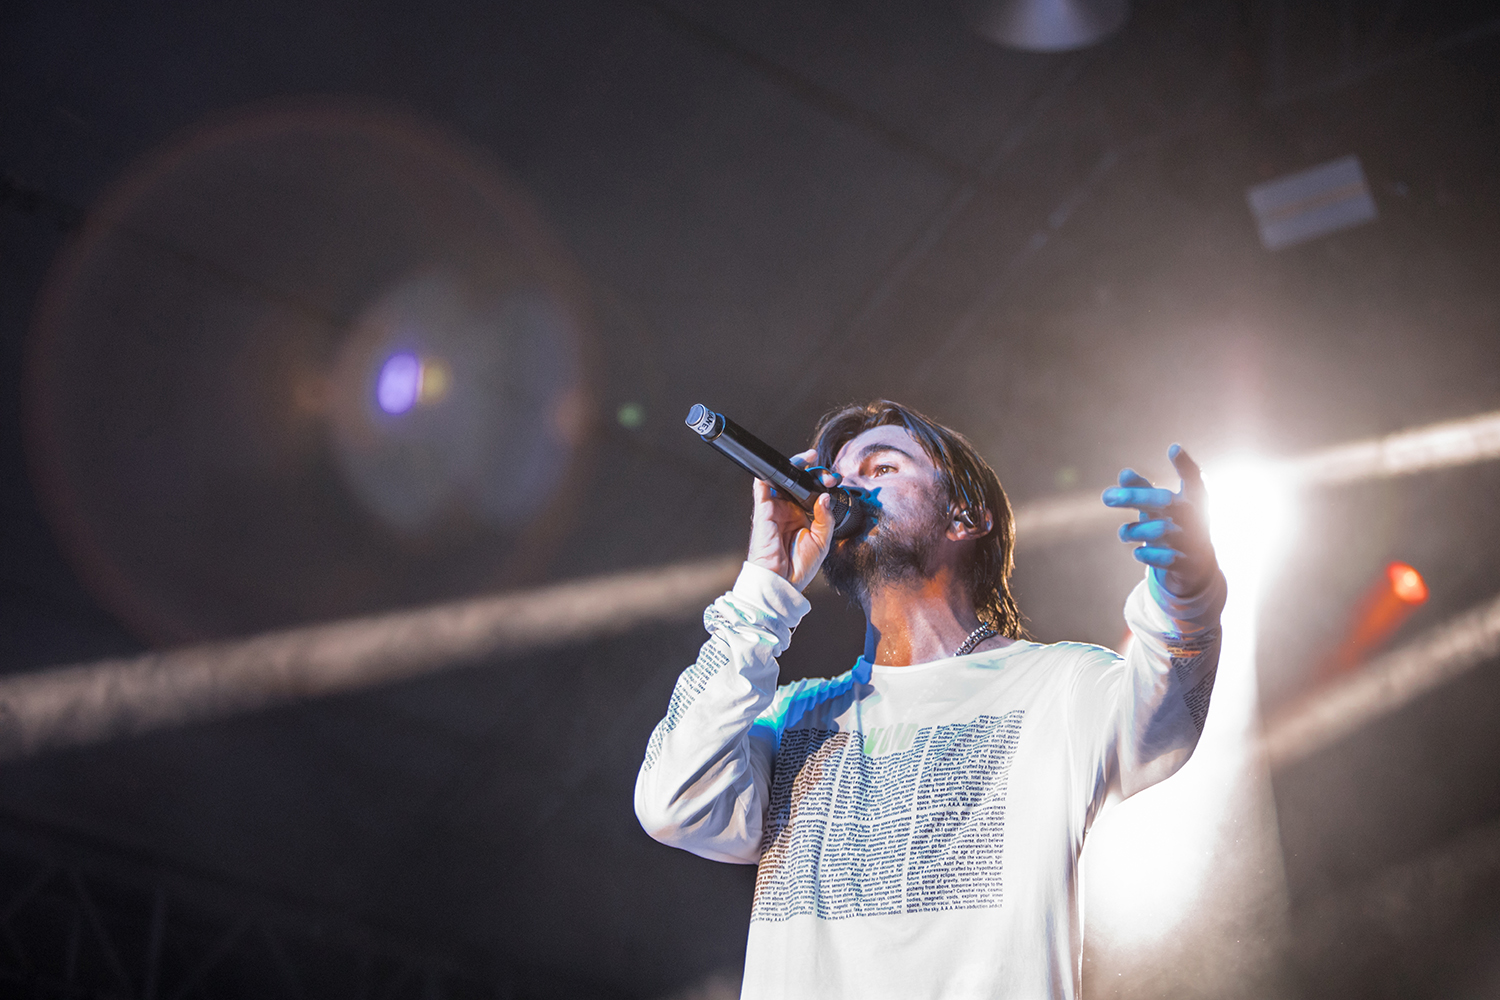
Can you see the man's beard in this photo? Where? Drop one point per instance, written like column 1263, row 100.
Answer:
column 899, row 551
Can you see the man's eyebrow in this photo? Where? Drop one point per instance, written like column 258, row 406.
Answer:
column 871, row 449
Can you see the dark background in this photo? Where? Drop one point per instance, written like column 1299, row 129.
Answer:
column 774, row 208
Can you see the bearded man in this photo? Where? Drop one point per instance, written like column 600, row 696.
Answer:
column 918, row 819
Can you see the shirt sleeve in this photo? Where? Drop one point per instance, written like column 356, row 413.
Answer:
column 704, row 783
column 1135, row 719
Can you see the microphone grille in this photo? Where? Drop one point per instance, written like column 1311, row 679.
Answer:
column 703, row 420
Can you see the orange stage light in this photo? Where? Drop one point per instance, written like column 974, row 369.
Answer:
column 1406, row 583
column 1391, row 599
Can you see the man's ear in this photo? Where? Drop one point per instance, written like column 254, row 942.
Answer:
column 967, row 524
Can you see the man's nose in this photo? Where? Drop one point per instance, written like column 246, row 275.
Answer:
column 852, row 478
column 861, row 494
column 862, row 485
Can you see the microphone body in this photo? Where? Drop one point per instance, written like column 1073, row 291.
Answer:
column 764, row 462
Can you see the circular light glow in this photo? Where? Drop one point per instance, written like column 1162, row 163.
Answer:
column 399, row 384
column 463, row 445
column 1406, row 583
column 473, row 402
column 631, row 415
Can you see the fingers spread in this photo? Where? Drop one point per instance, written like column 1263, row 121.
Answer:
column 1186, row 527
column 1135, row 496
column 1148, row 531
column 1191, row 473
column 1157, row 555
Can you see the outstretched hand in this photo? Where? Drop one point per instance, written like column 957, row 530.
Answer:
column 1173, row 527
column 783, row 539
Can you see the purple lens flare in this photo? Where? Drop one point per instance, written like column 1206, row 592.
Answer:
column 399, row 384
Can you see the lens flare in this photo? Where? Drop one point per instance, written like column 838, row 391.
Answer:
column 399, row 384
column 433, row 381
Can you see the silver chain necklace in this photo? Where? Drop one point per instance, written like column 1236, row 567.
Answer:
column 983, row 632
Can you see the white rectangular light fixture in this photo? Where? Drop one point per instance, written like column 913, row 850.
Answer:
column 1311, row 203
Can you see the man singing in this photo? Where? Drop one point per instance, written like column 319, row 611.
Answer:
column 918, row 819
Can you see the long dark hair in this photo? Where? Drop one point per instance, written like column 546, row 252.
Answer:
column 972, row 487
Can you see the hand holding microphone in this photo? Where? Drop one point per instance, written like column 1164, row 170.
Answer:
column 795, row 522
column 784, row 538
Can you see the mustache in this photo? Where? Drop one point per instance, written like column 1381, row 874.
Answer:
column 874, row 514
column 858, row 564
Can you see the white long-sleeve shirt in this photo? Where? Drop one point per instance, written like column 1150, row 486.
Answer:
column 918, row 828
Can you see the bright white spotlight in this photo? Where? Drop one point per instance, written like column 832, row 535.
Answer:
column 1251, row 509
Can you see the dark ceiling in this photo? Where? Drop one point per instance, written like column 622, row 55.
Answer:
column 773, row 208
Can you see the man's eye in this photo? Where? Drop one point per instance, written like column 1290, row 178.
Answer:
column 881, row 470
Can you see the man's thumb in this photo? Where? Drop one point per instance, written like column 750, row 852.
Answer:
column 822, row 526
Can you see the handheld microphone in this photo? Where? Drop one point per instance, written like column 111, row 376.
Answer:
column 764, row 462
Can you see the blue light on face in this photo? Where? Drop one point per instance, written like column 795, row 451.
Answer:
column 399, row 383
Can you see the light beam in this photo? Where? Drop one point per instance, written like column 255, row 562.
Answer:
column 1421, row 449
column 1384, row 685
column 1150, row 858
column 88, row 703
